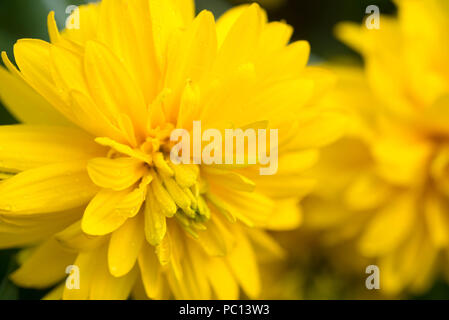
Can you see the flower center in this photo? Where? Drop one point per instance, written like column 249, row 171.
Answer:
column 175, row 190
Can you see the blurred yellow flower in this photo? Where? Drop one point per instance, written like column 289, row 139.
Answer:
column 387, row 183
column 315, row 271
column 88, row 180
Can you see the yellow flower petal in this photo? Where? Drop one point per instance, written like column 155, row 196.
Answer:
column 241, row 41
column 165, row 18
column 19, row 230
column 37, row 273
column 275, row 36
column 286, row 216
column 317, row 129
column 155, row 224
column 125, row 245
column 187, row 9
column 117, row 174
column 73, row 238
column 55, row 294
column 222, row 280
column 25, row 147
column 51, row 188
column 125, row 149
column 190, row 57
column 109, row 209
column 388, row 227
column 253, row 208
column 242, row 262
column 113, row 89
column 366, row 192
column 90, row 117
column 25, row 104
column 86, row 262
column 231, row 179
column 216, row 239
column 227, row 20
column 290, row 63
column 68, row 68
column 266, row 246
column 398, row 159
column 150, row 270
column 194, row 279
column 34, row 60
column 437, row 221
column 104, row 286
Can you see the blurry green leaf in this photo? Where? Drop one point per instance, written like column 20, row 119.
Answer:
column 218, row 7
column 439, row 291
column 8, row 291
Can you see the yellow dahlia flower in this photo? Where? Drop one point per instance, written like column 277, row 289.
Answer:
column 386, row 185
column 88, row 181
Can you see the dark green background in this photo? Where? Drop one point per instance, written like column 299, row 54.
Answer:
column 313, row 20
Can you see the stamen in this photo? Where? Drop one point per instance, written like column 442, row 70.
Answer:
column 178, row 195
column 162, row 196
column 186, row 175
column 161, row 164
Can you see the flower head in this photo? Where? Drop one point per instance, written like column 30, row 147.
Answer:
column 389, row 188
column 88, row 179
